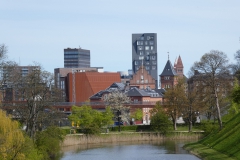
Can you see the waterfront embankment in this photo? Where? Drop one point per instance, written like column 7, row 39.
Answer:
column 81, row 139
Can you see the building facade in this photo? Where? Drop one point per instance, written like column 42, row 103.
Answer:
column 82, row 85
column 168, row 77
column 144, row 52
column 76, row 58
column 142, row 79
column 60, row 75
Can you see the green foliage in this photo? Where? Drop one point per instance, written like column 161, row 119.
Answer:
column 14, row 144
column 226, row 141
column 159, row 119
column 138, row 114
column 48, row 142
column 208, row 127
column 91, row 121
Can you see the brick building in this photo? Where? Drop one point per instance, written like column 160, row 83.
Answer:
column 85, row 84
column 142, row 79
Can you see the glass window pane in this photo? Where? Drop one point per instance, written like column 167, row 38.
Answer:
column 140, row 47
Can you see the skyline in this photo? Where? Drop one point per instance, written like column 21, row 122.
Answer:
column 40, row 31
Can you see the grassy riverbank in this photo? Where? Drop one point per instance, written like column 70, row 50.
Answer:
column 80, row 139
column 221, row 145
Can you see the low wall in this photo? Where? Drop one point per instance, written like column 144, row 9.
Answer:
column 79, row 139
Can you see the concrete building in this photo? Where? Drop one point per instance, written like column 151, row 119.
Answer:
column 144, row 52
column 76, row 58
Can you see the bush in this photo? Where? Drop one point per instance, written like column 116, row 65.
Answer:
column 208, row 127
column 48, row 142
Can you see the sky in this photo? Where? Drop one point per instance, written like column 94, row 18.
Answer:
column 38, row 31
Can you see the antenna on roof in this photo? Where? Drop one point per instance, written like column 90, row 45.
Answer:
column 168, row 55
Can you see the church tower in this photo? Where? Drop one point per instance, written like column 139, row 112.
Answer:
column 168, row 78
column 178, row 66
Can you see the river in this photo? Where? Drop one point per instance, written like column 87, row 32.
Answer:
column 145, row 150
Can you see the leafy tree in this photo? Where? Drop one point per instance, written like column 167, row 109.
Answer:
column 11, row 138
column 90, row 120
column 214, row 76
column 175, row 101
column 137, row 114
column 159, row 119
column 117, row 101
column 48, row 142
column 13, row 143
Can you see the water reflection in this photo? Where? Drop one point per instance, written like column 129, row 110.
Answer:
column 129, row 151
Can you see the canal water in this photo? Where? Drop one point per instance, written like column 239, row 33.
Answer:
column 162, row 150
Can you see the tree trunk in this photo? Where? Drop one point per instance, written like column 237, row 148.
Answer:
column 175, row 121
column 190, row 119
column 218, row 112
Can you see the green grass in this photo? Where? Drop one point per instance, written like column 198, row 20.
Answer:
column 226, row 141
column 207, row 153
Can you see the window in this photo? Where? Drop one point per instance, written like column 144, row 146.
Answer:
column 147, row 67
column 140, row 47
column 141, row 38
column 139, row 43
column 147, row 52
column 167, row 78
column 141, row 52
column 146, row 63
column 141, row 77
column 146, row 42
column 137, row 81
column 154, row 62
column 152, row 47
column 150, row 37
column 154, row 67
column 153, row 57
column 136, row 62
column 147, row 58
column 146, row 47
column 151, row 43
column 146, row 81
column 167, row 86
column 141, row 57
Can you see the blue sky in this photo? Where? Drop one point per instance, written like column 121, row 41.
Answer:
column 38, row 31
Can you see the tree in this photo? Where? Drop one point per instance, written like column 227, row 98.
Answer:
column 214, row 77
column 49, row 141
column 175, row 101
column 91, row 121
column 11, row 138
column 192, row 108
column 13, row 143
column 138, row 114
column 159, row 120
column 35, row 95
column 116, row 101
column 3, row 52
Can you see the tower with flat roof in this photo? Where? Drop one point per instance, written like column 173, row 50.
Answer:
column 144, row 53
column 76, row 58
